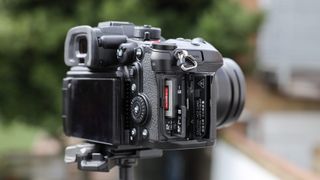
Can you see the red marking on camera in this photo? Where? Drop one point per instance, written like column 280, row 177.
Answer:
column 166, row 98
column 156, row 41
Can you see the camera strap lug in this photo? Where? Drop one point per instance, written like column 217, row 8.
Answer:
column 184, row 58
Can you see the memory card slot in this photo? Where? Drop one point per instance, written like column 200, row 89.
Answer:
column 169, row 98
column 173, row 106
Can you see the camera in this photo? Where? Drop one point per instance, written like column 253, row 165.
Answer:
column 129, row 88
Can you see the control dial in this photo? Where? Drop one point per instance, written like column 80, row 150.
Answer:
column 140, row 109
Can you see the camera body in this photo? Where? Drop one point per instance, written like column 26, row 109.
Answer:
column 128, row 88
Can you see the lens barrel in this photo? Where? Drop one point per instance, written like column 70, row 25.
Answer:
column 230, row 89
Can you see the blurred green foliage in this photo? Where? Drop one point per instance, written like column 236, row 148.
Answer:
column 32, row 36
column 22, row 136
column 228, row 26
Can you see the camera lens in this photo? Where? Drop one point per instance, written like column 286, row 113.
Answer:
column 230, row 88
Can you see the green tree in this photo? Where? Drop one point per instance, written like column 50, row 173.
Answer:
column 228, row 26
column 31, row 54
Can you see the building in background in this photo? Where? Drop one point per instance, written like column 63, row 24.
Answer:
column 289, row 46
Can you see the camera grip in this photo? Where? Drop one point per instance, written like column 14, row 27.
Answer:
column 150, row 89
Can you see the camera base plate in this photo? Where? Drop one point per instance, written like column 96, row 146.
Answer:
column 100, row 158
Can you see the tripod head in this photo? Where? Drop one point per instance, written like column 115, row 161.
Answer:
column 101, row 158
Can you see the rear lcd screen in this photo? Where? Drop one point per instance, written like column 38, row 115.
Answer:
column 92, row 109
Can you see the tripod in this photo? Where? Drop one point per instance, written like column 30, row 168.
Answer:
column 101, row 158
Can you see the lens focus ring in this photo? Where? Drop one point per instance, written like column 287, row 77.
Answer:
column 230, row 88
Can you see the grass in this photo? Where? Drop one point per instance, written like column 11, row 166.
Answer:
column 16, row 137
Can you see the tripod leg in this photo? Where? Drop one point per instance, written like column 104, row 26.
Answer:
column 126, row 172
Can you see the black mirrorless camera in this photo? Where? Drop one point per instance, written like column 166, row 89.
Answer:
column 129, row 88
